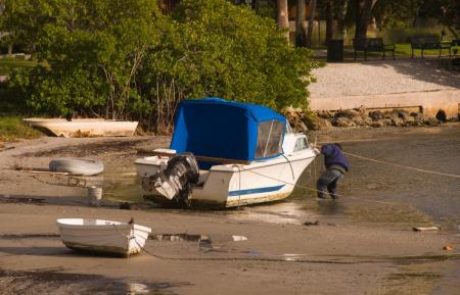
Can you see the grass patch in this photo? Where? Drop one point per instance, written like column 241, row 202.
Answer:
column 7, row 64
column 12, row 128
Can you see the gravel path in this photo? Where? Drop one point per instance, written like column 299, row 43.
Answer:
column 382, row 77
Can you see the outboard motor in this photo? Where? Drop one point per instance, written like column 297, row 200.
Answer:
column 175, row 181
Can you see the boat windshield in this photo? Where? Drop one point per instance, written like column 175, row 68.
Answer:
column 269, row 138
column 288, row 128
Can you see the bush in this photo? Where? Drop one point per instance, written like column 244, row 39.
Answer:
column 125, row 60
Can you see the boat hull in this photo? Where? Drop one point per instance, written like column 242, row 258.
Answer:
column 83, row 127
column 233, row 185
column 104, row 237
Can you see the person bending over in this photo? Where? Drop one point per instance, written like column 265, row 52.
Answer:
column 336, row 166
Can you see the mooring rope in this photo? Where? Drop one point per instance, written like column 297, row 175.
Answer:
column 403, row 166
column 315, row 190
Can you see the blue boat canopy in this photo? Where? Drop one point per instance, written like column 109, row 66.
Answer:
column 214, row 127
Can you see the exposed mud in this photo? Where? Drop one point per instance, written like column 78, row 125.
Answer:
column 58, row 282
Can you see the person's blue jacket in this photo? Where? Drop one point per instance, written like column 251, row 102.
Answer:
column 333, row 156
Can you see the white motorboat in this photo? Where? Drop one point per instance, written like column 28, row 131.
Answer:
column 103, row 236
column 246, row 155
column 83, row 127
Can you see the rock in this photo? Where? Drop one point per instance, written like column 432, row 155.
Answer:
column 398, row 122
column 418, row 119
column 362, row 111
column 409, row 121
column 325, row 114
column 368, row 121
column 350, row 114
column 404, row 115
column 377, row 124
column 431, row 121
column 359, row 121
column 321, row 123
column 296, row 118
column 343, row 122
column 386, row 122
column 391, row 115
column 376, row 115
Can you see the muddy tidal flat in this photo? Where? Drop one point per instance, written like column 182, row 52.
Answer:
column 363, row 243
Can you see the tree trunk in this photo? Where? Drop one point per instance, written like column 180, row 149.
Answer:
column 311, row 18
column 330, row 28
column 283, row 17
column 301, row 29
column 363, row 17
column 342, row 13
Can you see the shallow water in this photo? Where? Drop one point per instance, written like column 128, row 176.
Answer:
column 372, row 192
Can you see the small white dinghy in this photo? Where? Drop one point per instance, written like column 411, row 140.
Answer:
column 103, row 236
column 83, row 127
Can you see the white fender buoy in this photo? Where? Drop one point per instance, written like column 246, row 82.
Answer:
column 77, row 166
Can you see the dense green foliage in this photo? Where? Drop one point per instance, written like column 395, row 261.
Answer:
column 124, row 59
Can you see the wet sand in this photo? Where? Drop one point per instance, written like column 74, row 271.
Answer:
column 362, row 244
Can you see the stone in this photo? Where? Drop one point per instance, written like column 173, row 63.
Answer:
column 350, row 114
column 398, row 122
column 377, row 124
column 321, row 123
column 386, row 122
column 410, row 121
column 343, row 122
column 431, row 121
column 359, row 121
column 325, row 114
column 376, row 115
column 404, row 115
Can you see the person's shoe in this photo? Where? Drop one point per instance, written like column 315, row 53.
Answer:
column 320, row 197
column 334, row 197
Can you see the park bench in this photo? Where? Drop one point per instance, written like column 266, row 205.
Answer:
column 455, row 45
column 369, row 45
column 429, row 42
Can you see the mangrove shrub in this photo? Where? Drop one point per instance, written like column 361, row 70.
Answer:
column 124, row 59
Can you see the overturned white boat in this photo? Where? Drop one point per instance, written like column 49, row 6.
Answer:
column 103, row 236
column 225, row 154
column 83, row 127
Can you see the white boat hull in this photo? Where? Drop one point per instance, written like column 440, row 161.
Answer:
column 103, row 236
column 234, row 185
column 84, row 127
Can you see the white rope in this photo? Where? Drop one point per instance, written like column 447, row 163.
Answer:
column 403, row 166
column 315, row 190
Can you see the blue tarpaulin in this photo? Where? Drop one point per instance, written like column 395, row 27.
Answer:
column 214, row 127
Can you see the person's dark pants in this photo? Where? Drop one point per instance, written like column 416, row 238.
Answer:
column 327, row 183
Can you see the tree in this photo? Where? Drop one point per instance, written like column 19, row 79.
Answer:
column 301, row 29
column 311, row 18
column 363, row 17
column 283, row 17
column 330, row 25
column 124, row 59
column 342, row 8
column 89, row 54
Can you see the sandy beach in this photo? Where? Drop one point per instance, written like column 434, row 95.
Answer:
column 361, row 244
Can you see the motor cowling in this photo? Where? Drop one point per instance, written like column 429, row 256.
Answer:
column 175, row 181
